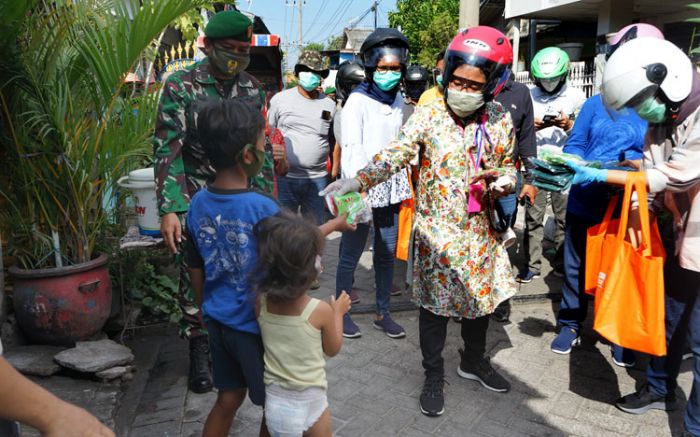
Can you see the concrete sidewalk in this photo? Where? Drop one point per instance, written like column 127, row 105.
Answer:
column 375, row 382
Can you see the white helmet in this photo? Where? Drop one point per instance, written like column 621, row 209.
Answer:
column 647, row 67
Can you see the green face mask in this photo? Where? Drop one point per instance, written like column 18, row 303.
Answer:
column 253, row 168
column 651, row 110
column 227, row 62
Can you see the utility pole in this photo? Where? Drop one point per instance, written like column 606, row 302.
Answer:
column 300, row 28
column 374, row 8
column 468, row 13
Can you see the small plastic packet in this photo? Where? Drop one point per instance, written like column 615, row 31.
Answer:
column 352, row 204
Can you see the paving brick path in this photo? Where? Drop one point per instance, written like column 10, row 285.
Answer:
column 374, row 383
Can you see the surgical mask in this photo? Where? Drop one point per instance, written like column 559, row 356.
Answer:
column 386, row 80
column 228, row 63
column 309, row 81
column 253, row 168
column 464, row 103
column 651, row 110
column 438, row 79
column 549, row 85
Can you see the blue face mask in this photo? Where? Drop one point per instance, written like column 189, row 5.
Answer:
column 387, row 80
column 651, row 110
column 309, row 81
column 438, row 79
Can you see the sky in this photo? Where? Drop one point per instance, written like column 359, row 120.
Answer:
column 321, row 19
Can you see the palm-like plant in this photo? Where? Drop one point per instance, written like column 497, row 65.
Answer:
column 694, row 48
column 69, row 127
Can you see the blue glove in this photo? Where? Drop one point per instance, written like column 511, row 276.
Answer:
column 587, row 175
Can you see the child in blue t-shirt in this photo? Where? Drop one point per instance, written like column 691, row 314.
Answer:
column 222, row 251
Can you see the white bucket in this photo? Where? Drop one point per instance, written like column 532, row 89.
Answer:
column 142, row 184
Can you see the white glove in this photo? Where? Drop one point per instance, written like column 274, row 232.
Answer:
column 342, row 186
column 502, row 185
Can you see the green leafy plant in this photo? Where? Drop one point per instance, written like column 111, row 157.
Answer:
column 70, row 126
column 156, row 292
column 694, row 43
column 428, row 25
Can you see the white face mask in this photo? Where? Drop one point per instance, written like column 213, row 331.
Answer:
column 464, row 103
column 549, row 85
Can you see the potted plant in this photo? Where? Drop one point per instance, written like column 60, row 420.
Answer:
column 69, row 130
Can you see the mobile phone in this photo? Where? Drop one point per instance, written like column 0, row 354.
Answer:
column 549, row 118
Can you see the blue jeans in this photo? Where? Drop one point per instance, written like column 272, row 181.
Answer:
column 682, row 318
column 573, row 308
column 296, row 193
column 507, row 206
column 352, row 244
column 574, row 301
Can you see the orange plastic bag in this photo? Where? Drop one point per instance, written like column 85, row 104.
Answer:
column 629, row 307
column 594, row 245
column 406, row 212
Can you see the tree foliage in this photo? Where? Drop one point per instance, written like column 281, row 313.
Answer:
column 317, row 46
column 428, row 25
column 335, row 43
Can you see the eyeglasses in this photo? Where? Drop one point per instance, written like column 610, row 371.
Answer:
column 463, row 84
column 391, row 68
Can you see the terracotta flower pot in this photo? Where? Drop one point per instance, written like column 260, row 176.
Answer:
column 62, row 305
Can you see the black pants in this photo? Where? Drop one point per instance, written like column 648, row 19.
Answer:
column 433, row 330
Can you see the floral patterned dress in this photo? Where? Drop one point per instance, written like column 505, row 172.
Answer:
column 459, row 266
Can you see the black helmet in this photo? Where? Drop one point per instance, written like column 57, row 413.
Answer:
column 415, row 81
column 350, row 74
column 383, row 42
column 416, row 73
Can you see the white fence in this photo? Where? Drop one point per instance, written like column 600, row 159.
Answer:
column 581, row 75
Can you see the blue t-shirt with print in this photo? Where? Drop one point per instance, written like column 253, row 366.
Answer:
column 220, row 227
column 598, row 136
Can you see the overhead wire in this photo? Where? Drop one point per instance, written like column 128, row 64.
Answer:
column 334, row 20
column 318, row 13
column 339, row 12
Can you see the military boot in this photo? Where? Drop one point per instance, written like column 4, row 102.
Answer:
column 199, row 380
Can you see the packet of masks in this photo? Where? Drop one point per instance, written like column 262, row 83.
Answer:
column 555, row 155
column 551, row 176
column 352, row 204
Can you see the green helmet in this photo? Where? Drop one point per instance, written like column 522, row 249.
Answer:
column 549, row 63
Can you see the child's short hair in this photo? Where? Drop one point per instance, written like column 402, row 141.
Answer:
column 288, row 246
column 226, row 126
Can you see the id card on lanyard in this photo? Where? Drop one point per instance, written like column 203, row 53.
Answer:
column 476, row 191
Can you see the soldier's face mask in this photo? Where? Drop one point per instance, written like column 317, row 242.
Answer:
column 253, row 168
column 228, row 62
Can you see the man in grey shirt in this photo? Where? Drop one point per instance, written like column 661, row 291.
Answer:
column 304, row 115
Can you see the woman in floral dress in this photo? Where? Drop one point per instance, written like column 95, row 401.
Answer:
column 460, row 269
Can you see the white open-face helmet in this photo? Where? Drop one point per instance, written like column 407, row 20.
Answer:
column 646, row 67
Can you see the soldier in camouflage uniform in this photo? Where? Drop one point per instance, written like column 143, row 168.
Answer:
column 181, row 166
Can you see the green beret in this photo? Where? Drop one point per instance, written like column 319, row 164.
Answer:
column 229, row 24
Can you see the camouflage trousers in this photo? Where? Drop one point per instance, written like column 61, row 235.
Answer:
column 190, row 325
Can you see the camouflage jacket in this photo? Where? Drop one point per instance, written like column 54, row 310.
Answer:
column 181, row 166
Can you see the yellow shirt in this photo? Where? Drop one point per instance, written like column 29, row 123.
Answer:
column 428, row 96
column 293, row 349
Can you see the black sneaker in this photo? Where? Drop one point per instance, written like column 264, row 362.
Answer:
column 645, row 400
column 482, row 371
column 502, row 312
column 432, row 399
